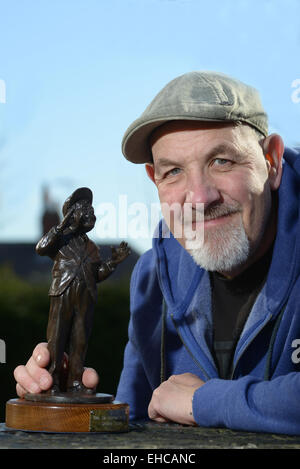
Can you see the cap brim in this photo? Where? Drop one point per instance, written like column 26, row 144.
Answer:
column 136, row 146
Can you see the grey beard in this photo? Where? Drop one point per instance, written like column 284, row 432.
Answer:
column 224, row 249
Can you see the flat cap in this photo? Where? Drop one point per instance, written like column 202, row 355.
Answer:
column 196, row 96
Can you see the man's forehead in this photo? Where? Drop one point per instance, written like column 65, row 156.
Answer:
column 175, row 127
column 218, row 138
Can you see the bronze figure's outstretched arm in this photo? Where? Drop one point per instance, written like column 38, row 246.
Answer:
column 118, row 255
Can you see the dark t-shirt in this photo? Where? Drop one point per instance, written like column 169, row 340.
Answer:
column 232, row 301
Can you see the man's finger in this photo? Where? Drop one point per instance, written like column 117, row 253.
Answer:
column 40, row 375
column 32, row 373
column 160, row 420
column 90, row 378
column 152, row 412
column 154, row 415
column 34, row 377
column 20, row 391
column 25, row 380
column 187, row 379
column 41, row 355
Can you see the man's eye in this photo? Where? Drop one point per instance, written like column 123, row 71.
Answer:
column 221, row 162
column 173, row 172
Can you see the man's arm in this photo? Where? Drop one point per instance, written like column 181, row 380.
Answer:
column 173, row 399
column 248, row 403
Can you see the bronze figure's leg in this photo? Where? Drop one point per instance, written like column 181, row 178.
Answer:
column 79, row 336
column 59, row 323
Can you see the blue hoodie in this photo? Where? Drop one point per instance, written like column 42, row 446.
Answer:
column 170, row 331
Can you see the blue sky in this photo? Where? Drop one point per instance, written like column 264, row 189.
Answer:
column 78, row 72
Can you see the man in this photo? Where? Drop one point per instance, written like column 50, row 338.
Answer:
column 73, row 293
column 214, row 322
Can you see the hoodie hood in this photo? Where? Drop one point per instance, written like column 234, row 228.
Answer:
column 285, row 266
column 179, row 275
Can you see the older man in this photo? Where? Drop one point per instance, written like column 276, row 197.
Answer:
column 214, row 322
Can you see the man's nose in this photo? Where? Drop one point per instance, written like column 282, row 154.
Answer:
column 201, row 189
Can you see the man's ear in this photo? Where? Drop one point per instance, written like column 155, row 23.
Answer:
column 150, row 171
column 273, row 148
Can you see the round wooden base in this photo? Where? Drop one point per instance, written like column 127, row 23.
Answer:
column 48, row 417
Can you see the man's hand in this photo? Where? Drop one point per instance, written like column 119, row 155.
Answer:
column 34, row 378
column 172, row 400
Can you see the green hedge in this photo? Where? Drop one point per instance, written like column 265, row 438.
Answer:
column 24, row 314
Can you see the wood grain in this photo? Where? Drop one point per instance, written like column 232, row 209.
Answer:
column 38, row 416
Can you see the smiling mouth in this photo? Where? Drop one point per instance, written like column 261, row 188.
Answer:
column 212, row 221
column 218, row 220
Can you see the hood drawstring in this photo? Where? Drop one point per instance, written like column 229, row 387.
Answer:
column 267, row 375
column 162, row 343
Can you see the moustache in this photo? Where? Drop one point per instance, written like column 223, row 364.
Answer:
column 192, row 214
column 221, row 211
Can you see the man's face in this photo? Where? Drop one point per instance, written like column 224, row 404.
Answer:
column 223, row 168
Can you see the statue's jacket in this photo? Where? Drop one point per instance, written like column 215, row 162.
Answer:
column 73, row 256
column 170, row 331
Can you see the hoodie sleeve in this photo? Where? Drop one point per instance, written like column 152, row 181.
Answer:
column 250, row 404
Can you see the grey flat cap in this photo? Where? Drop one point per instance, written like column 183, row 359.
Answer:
column 200, row 96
